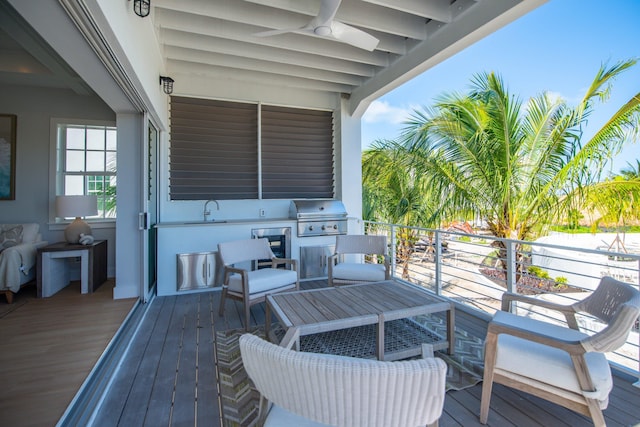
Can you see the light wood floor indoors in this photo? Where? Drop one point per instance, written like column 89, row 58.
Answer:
column 48, row 346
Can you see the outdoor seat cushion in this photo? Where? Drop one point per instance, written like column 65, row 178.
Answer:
column 359, row 271
column 548, row 364
column 263, row 280
column 279, row 417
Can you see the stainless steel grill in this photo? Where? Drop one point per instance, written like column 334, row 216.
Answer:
column 319, row 217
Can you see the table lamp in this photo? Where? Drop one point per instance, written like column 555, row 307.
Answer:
column 76, row 206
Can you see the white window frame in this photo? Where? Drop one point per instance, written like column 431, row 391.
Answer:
column 56, row 176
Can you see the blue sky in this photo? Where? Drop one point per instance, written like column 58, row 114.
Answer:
column 557, row 47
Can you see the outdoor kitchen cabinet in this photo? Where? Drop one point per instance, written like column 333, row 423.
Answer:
column 197, row 271
column 195, row 238
column 319, row 221
column 314, row 261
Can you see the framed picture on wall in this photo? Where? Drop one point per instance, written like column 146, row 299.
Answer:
column 7, row 156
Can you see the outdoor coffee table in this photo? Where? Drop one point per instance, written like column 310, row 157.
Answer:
column 331, row 309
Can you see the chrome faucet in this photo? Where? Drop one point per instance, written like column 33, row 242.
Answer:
column 205, row 212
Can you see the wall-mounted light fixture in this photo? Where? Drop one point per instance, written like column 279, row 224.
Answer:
column 167, row 84
column 142, row 7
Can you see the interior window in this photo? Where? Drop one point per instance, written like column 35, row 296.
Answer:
column 86, row 164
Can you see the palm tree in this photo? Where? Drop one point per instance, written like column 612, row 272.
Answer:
column 393, row 192
column 617, row 201
column 520, row 166
column 631, row 172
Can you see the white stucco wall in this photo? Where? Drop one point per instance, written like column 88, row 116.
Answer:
column 133, row 40
column 130, row 186
column 349, row 160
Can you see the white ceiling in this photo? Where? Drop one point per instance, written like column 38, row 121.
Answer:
column 27, row 60
column 213, row 38
column 209, row 39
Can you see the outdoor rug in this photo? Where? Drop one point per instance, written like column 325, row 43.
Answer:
column 239, row 399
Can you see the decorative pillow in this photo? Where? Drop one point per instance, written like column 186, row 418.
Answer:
column 10, row 235
column 30, row 232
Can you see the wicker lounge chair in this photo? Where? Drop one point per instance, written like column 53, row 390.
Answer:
column 560, row 364
column 248, row 286
column 314, row 390
column 342, row 273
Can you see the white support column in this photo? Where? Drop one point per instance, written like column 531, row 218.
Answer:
column 348, row 160
column 129, row 262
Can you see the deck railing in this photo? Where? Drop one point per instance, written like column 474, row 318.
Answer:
column 475, row 269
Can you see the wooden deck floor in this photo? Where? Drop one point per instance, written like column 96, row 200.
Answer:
column 168, row 378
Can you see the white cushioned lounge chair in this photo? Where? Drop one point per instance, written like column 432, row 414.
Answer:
column 560, row 364
column 249, row 286
column 314, row 390
column 343, row 273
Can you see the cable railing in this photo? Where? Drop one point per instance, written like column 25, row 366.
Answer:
column 475, row 270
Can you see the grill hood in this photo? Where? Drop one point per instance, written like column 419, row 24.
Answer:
column 317, row 209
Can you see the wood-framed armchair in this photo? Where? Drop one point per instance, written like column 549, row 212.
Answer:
column 343, row 273
column 556, row 363
column 252, row 286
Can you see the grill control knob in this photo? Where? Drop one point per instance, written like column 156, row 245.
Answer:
column 311, row 228
column 323, row 228
column 335, row 226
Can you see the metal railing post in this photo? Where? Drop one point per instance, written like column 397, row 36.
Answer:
column 437, row 257
column 511, row 267
column 393, row 251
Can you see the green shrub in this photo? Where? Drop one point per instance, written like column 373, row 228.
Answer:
column 464, row 239
column 533, row 270
column 561, row 280
column 544, row 274
column 538, row 272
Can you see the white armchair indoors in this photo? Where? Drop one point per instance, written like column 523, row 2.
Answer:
column 18, row 249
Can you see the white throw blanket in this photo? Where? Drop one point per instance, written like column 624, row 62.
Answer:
column 14, row 262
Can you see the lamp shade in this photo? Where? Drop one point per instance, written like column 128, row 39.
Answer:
column 76, row 206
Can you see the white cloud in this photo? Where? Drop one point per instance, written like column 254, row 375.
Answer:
column 383, row 112
column 555, row 97
column 552, row 98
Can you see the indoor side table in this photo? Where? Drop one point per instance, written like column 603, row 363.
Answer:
column 53, row 266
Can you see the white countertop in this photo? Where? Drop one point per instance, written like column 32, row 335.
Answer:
column 197, row 223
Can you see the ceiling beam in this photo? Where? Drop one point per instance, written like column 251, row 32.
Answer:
column 187, row 22
column 272, row 54
column 200, row 26
column 438, row 10
column 237, row 62
column 223, row 73
column 359, row 14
